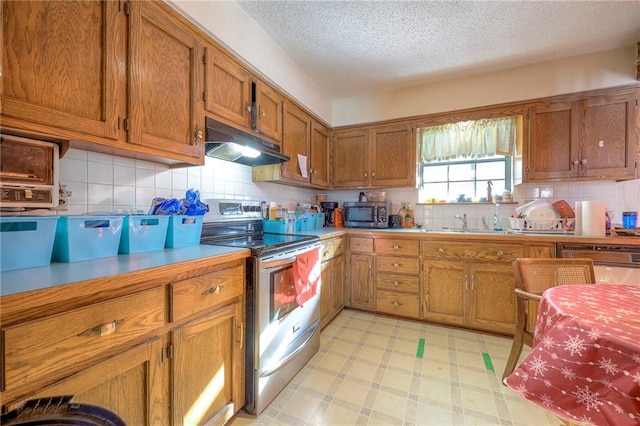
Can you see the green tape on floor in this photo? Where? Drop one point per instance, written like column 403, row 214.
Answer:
column 420, row 352
column 487, row 362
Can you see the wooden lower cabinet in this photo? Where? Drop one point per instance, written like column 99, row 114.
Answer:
column 208, row 372
column 169, row 353
column 470, row 285
column 332, row 295
column 129, row 384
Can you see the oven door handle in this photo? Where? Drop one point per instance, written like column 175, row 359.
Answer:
column 278, row 263
column 275, row 366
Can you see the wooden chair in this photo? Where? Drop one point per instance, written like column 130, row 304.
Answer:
column 532, row 277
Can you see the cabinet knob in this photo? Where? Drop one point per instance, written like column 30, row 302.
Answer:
column 468, row 253
column 396, row 283
column 583, row 161
column 373, row 174
column 213, row 290
column 396, row 304
column 102, row 329
column 500, row 253
column 440, row 249
column 247, row 108
column 197, row 135
column 396, row 247
column 365, row 174
column 262, row 113
column 396, row 265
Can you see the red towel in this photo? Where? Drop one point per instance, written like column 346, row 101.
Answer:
column 306, row 275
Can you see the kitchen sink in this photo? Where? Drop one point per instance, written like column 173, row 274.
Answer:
column 468, row 231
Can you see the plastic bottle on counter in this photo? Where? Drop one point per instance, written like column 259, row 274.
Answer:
column 291, row 223
column 409, row 220
column 497, row 218
column 273, row 211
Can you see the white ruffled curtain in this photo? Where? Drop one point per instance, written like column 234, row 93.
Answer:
column 479, row 138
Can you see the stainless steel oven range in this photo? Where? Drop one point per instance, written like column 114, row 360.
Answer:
column 281, row 335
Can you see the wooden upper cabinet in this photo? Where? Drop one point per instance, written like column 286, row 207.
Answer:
column 319, row 172
column 296, row 141
column 382, row 156
column 591, row 138
column 165, row 112
column 227, row 88
column 552, row 141
column 393, row 155
column 609, row 137
column 268, row 110
column 351, row 159
column 63, row 66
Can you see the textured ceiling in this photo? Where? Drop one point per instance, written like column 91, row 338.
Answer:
column 357, row 47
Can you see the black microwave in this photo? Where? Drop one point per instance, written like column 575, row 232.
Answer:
column 366, row 215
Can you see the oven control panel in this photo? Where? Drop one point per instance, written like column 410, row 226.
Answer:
column 232, row 209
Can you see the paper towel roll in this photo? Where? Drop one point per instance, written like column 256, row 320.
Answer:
column 593, row 218
column 578, row 220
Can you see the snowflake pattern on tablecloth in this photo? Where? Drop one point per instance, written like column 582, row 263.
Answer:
column 608, row 366
column 538, row 366
column 547, row 342
column 575, row 345
column 587, row 398
column 605, row 318
column 546, row 400
column 594, row 333
column 568, row 373
column 636, row 378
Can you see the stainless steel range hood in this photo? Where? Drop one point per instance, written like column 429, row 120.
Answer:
column 230, row 144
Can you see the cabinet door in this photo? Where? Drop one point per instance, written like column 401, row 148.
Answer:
column 325, row 293
column 491, row 300
column 63, row 65
column 165, row 113
column 228, row 88
column 607, row 144
column 351, row 159
column 444, row 291
column 337, row 285
column 129, row 385
column 208, row 368
column 362, row 284
column 393, row 153
column 295, row 141
column 319, row 155
column 269, row 111
column 553, row 140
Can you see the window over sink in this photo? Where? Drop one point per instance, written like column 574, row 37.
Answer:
column 458, row 160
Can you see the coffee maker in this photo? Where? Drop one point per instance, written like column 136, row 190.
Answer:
column 328, row 207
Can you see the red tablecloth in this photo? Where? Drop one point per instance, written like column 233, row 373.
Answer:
column 585, row 362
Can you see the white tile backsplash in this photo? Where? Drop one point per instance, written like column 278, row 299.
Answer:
column 102, row 182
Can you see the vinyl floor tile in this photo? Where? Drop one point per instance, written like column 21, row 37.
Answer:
column 369, row 372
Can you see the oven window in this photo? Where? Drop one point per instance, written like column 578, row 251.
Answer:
column 283, row 293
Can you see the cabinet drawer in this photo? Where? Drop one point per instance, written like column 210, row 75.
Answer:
column 401, row 265
column 398, row 303
column 392, row 282
column 397, row 247
column 206, row 291
column 489, row 252
column 361, row 245
column 339, row 246
column 40, row 348
column 326, row 250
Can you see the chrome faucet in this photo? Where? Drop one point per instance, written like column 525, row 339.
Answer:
column 463, row 218
column 485, row 224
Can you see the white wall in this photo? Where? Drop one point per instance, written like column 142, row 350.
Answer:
column 594, row 71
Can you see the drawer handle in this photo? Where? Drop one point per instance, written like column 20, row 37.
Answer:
column 102, row 329
column 441, row 250
column 395, row 282
column 467, row 253
column 396, row 247
column 213, row 290
column 500, row 253
column 396, row 303
column 396, row 264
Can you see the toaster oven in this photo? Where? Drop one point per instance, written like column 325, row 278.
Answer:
column 28, row 173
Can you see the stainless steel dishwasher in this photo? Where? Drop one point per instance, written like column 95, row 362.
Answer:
column 614, row 264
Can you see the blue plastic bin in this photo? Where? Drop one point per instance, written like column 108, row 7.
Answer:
column 143, row 233
column 273, row 226
column 183, row 231
column 86, row 238
column 318, row 220
column 26, row 241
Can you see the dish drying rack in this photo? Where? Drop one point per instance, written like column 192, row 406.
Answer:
column 539, row 225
